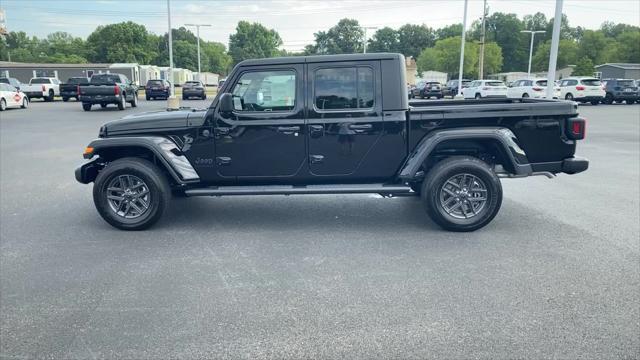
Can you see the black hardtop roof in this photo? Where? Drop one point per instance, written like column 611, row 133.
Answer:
column 321, row 58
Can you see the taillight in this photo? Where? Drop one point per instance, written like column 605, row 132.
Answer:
column 580, row 87
column 537, row 88
column 576, row 128
column 116, row 90
column 44, row 88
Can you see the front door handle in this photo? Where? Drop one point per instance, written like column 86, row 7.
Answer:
column 288, row 130
column 315, row 159
column 223, row 160
column 222, row 130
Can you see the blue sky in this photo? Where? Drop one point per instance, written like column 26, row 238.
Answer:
column 295, row 20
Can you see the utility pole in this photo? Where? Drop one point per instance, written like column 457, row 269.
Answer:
column 365, row 36
column 482, row 40
column 171, row 87
column 533, row 34
column 553, row 57
column 464, row 32
column 198, row 35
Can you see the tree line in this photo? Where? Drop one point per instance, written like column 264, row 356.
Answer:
column 506, row 48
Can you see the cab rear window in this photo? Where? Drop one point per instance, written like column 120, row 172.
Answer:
column 154, row 83
column 626, row 83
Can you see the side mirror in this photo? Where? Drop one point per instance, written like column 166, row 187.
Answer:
column 226, row 103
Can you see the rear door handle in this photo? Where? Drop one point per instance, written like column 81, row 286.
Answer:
column 360, row 126
column 288, row 130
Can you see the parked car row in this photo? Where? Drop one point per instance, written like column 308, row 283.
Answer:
column 580, row 89
column 101, row 89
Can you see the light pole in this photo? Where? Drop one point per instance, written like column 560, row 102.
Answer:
column 198, row 35
column 365, row 36
column 464, row 31
column 533, row 34
column 482, row 40
column 171, row 87
column 553, row 56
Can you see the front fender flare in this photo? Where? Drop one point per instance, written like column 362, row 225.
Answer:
column 507, row 140
column 165, row 150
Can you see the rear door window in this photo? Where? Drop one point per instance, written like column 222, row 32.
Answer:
column 344, row 88
column 590, row 82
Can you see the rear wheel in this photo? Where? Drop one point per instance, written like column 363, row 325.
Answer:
column 134, row 101
column 569, row 96
column 65, row 99
column 478, row 96
column 131, row 194
column 630, row 101
column 25, row 103
column 123, row 102
column 608, row 99
column 86, row 106
column 525, row 95
column 147, row 97
column 595, row 102
column 462, row 194
column 204, row 96
column 50, row 97
column 3, row 105
column 103, row 105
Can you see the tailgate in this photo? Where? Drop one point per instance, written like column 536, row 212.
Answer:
column 97, row 90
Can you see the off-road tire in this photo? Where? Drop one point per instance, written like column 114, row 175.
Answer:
column 154, row 179
column 444, row 171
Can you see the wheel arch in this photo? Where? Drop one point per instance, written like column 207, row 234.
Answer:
column 159, row 150
column 494, row 145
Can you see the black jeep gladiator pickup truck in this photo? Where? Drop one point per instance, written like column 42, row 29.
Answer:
column 107, row 89
column 338, row 124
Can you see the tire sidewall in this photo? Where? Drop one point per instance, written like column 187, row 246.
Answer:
column 445, row 170
column 25, row 103
column 158, row 189
column 3, row 104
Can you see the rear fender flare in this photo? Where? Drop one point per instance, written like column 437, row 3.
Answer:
column 165, row 150
column 504, row 137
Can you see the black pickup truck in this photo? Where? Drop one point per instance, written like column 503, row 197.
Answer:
column 71, row 88
column 338, row 124
column 107, row 89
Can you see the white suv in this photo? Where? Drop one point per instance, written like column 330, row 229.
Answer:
column 532, row 88
column 582, row 89
column 485, row 89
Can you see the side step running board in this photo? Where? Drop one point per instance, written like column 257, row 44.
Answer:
column 308, row 189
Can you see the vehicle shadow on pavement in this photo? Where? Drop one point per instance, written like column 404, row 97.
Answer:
column 313, row 213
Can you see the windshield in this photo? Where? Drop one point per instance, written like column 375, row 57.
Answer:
column 105, row 79
column 590, row 82
column 626, row 83
column 40, row 81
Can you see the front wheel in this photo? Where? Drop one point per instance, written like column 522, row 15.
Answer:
column 25, row 103
column 595, row 102
column 630, row 101
column 568, row 97
column 462, row 194
column 131, row 193
column 50, row 97
column 478, row 96
column 86, row 106
column 65, row 99
column 3, row 105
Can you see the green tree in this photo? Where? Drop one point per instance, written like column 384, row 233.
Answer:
column 567, row 55
column 253, row 40
column 384, row 40
column 594, row 46
column 629, row 49
column 449, row 31
column 445, row 57
column 584, row 67
column 492, row 59
column 505, row 29
column 122, row 42
column 413, row 39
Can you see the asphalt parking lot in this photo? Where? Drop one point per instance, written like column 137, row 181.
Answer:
column 555, row 275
